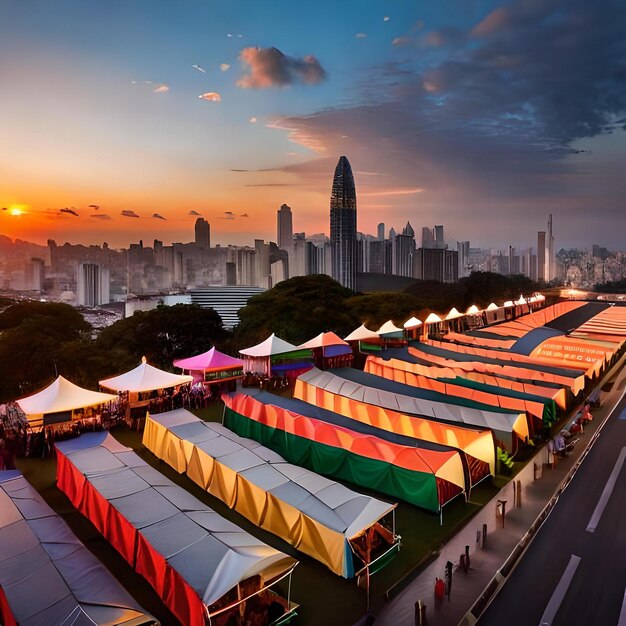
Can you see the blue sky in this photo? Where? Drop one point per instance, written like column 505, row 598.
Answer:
column 482, row 116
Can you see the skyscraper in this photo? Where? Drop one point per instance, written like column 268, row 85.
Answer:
column 550, row 268
column 343, row 225
column 203, row 233
column 541, row 256
column 284, row 228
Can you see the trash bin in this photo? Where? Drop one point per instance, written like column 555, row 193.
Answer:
column 538, row 470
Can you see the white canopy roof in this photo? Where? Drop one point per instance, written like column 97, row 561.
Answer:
column 47, row 574
column 473, row 310
column 493, row 307
column 271, row 346
column 362, row 334
column 388, row 327
column 145, row 378
column 433, row 318
column 508, row 304
column 412, row 323
column 62, row 395
column 325, row 501
column 453, row 314
column 210, row 553
column 521, row 300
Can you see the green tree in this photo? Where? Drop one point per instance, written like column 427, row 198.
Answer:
column 296, row 310
column 163, row 334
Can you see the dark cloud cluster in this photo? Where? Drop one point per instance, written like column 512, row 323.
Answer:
column 269, row 67
column 157, row 216
column 490, row 112
column 71, row 211
column 128, row 213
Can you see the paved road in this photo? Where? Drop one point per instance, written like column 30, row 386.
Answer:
column 569, row 575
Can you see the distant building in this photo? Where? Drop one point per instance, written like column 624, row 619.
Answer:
column 203, row 234
column 93, row 284
column 343, row 225
column 284, row 228
column 463, row 250
column 541, row 256
column 437, row 264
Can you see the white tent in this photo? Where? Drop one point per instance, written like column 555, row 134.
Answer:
column 145, row 378
column 412, row 323
column 433, row 318
column 263, row 487
column 473, row 310
column 493, row 307
column 453, row 314
column 200, row 556
column 389, row 328
column 362, row 334
column 47, row 575
column 272, row 346
column 61, row 396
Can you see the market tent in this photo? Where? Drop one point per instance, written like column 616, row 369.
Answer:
column 198, row 562
column 265, row 356
column 145, row 377
column 539, row 406
column 411, row 323
column 47, row 576
column 535, row 374
column 314, row 514
column 329, row 350
column 362, row 334
column 508, row 426
column 452, row 370
column 476, row 447
column 573, row 378
column 61, row 396
column 325, row 340
column 426, row 478
column 390, row 331
column 211, row 361
column 480, row 340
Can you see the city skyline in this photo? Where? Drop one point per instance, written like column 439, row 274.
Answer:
column 130, row 121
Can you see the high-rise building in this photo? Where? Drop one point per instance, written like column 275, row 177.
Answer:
column 436, row 264
column 203, row 233
column 93, row 284
column 381, row 231
column 284, row 228
column 428, row 239
column 343, row 225
column 541, row 255
column 550, row 261
column 463, row 249
column 439, row 240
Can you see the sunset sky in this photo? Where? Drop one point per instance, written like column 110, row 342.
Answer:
column 482, row 116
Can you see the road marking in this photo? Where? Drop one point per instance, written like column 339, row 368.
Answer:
column 622, row 615
column 559, row 593
column 606, row 492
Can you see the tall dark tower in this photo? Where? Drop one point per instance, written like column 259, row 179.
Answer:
column 343, row 225
column 203, row 233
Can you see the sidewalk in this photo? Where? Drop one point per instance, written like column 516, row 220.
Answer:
column 500, row 542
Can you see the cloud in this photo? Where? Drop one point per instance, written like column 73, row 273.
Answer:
column 101, row 216
column 269, row 67
column 224, row 67
column 161, row 88
column 96, row 207
column 4, row 208
column 386, row 18
column 244, row 215
column 211, row 96
column 229, row 34
column 157, row 216
column 228, row 213
column 253, row 120
column 68, row 211
column 360, row 36
column 402, row 41
column 192, row 212
column 199, row 68
column 127, row 213
column 488, row 123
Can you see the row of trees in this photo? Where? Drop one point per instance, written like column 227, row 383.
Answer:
column 40, row 340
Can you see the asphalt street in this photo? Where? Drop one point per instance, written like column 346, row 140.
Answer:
column 574, row 572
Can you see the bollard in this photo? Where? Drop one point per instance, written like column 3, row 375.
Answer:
column 538, row 470
column 484, row 535
column 467, row 557
column 420, row 613
column 518, row 503
column 448, row 578
column 501, row 510
column 462, row 563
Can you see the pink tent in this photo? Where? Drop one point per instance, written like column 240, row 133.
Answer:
column 212, row 362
